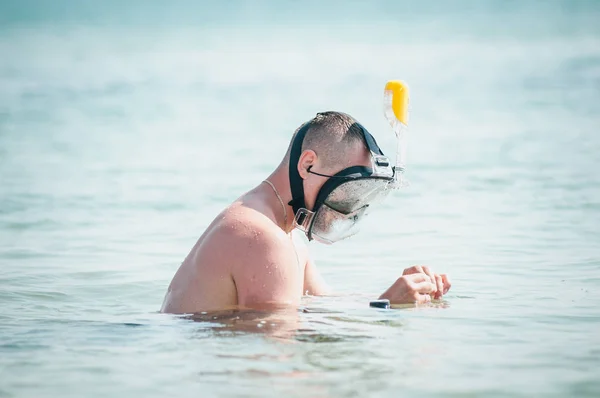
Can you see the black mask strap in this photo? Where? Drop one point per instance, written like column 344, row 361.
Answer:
column 296, row 182
column 370, row 141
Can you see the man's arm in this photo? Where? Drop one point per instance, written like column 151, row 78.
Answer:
column 314, row 284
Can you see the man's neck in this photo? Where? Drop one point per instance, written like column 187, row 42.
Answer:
column 280, row 180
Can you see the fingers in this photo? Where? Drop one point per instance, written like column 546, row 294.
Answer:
column 417, row 278
column 423, row 298
column 418, row 284
column 415, row 269
column 433, row 278
column 441, row 282
column 421, row 283
column 440, row 286
column 446, row 283
column 424, row 287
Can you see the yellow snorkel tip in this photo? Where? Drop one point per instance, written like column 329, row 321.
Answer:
column 395, row 107
column 396, row 101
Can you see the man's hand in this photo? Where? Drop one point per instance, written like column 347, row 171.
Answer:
column 418, row 284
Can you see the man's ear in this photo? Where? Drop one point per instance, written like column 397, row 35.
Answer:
column 307, row 159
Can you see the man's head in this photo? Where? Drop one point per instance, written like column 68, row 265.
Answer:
column 333, row 142
column 336, row 171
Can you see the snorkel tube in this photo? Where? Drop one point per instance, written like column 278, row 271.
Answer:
column 395, row 108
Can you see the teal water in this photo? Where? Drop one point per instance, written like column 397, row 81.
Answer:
column 124, row 129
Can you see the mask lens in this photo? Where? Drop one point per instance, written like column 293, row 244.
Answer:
column 331, row 226
column 339, row 216
column 353, row 195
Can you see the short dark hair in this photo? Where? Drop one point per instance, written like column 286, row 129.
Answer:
column 329, row 133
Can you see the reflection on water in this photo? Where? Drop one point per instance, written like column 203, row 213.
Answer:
column 281, row 323
column 328, row 325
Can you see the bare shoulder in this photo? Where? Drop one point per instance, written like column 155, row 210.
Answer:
column 249, row 236
column 242, row 258
column 261, row 257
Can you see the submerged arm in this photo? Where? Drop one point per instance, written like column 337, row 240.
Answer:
column 314, row 284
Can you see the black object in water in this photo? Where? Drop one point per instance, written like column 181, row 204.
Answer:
column 380, row 304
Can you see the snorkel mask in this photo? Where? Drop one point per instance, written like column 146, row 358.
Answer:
column 346, row 197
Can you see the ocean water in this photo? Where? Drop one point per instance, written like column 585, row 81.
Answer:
column 125, row 128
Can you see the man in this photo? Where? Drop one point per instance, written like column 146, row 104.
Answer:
column 247, row 257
